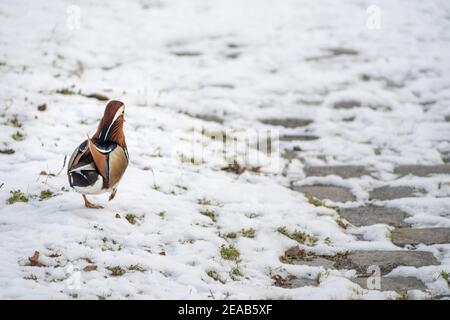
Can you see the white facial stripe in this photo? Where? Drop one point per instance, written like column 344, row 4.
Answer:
column 102, row 150
column 88, row 167
column 117, row 115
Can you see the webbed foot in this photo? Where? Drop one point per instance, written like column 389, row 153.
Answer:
column 91, row 205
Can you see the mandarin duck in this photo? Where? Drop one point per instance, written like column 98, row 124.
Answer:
column 98, row 164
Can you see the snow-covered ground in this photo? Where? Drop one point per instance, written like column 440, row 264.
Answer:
column 174, row 63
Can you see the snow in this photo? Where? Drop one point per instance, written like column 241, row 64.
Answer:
column 250, row 60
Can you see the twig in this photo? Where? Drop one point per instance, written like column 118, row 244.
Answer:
column 49, row 174
column 1, row 185
column 64, row 164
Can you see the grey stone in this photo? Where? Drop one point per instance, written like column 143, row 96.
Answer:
column 302, row 282
column 288, row 122
column 361, row 260
column 333, row 193
column 369, row 215
column 447, row 118
column 385, row 260
column 442, row 297
column 316, row 262
column 347, row 104
column 298, row 137
column 428, row 236
column 390, row 193
column 422, row 170
column 399, row 284
column 342, row 171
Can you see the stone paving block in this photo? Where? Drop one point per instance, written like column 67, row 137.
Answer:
column 302, row 282
column 390, row 193
column 369, row 215
column 399, row 284
column 316, row 262
column 361, row 260
column 333, row 193
column 386, row 260
column 298, row 137
column 288, row 122
column 341, row 171
column 422, row 171
column 428, row 236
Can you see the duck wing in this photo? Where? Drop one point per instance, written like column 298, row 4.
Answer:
column 79, row 152
column 83, row 174
column 118, row 162
column 110, row 159
column 100, row 158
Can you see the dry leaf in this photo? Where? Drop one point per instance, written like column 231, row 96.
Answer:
column 238, row 169
column 282, row 282
column 34, row 260
column 90, row 267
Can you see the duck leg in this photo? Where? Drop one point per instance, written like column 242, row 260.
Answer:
column 113, row 194
column 89, row 204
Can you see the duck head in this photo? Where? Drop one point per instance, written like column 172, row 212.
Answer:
column 111, row 125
